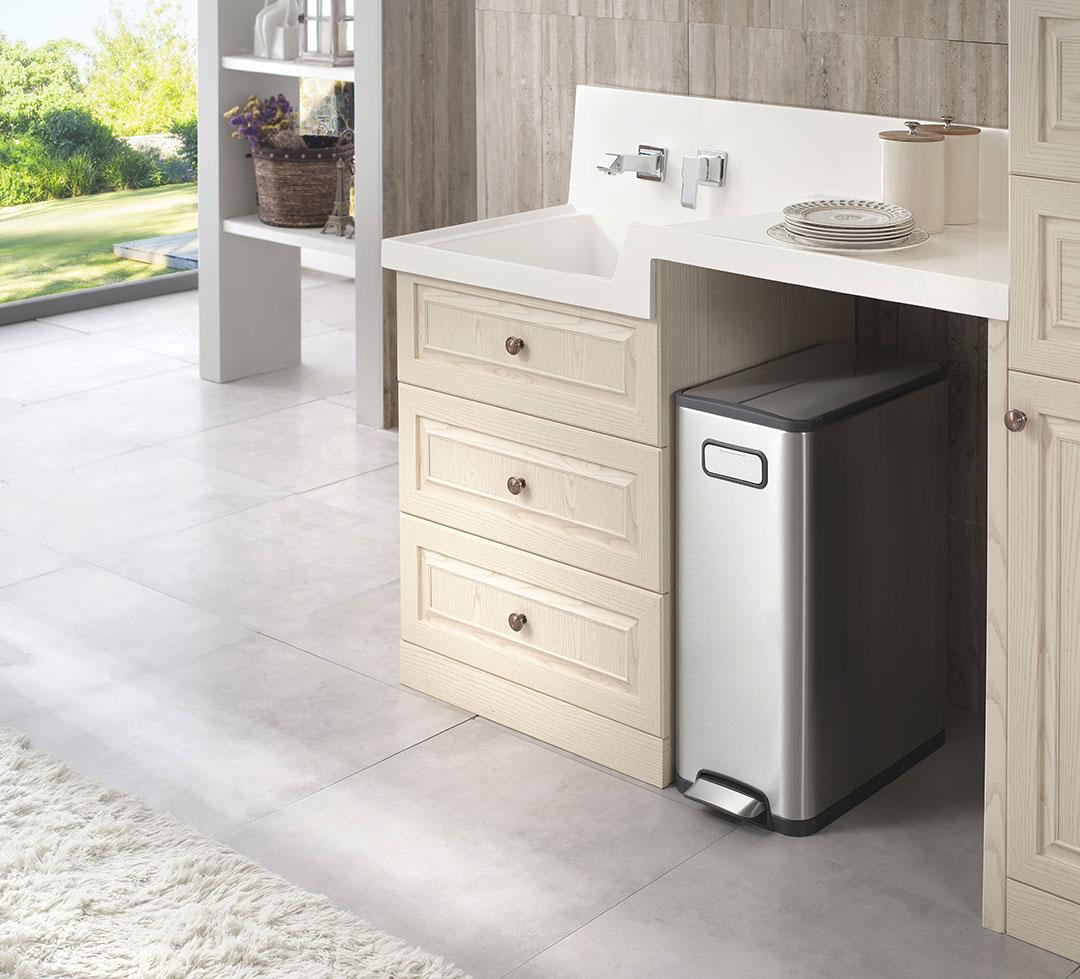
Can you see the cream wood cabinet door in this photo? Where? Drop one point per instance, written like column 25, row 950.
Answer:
column 1043, row 903
column 1044, row 88
column 1044, row 330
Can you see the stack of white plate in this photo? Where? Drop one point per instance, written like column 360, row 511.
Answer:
column 848, row 225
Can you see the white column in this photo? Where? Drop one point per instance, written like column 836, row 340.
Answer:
column 369, row 214
column 249, row 290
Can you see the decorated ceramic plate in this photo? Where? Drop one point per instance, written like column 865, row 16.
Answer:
column 780, row 233
column 854, row 215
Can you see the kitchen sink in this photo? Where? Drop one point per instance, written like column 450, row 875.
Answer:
column 585, row 244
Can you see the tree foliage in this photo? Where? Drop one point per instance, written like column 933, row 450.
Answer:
column 142, row 78
column 35, row 81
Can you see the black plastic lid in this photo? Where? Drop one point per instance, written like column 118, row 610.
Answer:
column 806, row 390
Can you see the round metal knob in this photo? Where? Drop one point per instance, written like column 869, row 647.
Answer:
column 514, row 345
column 515, row 484
column 1015, row 421
column 517, row 621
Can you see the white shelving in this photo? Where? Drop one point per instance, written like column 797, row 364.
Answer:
column 249, row 226
column 249, row 283
column 289, row 69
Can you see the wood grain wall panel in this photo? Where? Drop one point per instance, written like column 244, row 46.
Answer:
column 968, row 81
column 960, row 343
column 740, row 63
column 966, row 662
column 979, row 20
column 509, row 56
column 733, row 13
column 429, row 135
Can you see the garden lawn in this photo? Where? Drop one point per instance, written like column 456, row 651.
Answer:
column 57, row 246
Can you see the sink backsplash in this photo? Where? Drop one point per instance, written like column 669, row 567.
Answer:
column 776, row 155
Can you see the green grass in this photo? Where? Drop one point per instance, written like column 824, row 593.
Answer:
column 58, row 246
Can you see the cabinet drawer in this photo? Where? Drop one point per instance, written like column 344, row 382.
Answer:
column 1044, row 319
column 589, row 500
column 592, row 370
column 1044, row 88
column 590, row 641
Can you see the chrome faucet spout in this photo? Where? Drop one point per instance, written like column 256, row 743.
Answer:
column 649, row 163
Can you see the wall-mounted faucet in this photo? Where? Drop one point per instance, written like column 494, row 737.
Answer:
column 708, row 168
column 649, row 163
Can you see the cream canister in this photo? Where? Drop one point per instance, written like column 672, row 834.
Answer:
column 961, row 170
column 913, row 174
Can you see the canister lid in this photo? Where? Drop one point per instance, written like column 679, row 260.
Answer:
column 915, row 133
column 949, row 128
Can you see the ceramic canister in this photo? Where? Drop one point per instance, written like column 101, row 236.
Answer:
column 961, row 170
column 913, row 174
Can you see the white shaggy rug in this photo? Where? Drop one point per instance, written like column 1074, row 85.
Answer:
column 93, row 885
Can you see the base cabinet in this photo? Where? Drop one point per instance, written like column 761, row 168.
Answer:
column 536, row 495
column 1043, row 902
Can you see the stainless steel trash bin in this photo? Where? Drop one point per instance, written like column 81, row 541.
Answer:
column 811, row 583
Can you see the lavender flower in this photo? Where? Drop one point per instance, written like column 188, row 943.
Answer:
column 260, row 120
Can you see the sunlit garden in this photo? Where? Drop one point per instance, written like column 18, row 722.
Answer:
column 97, row 146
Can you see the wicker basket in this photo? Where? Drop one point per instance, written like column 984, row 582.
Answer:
column 296, row 188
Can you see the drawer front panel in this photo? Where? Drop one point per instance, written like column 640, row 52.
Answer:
column 1044, row 321
column 592, row 370
column 592, row 642
column 1044, row 87
column 588, row 500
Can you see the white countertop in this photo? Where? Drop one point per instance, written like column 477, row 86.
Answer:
column 598, row 251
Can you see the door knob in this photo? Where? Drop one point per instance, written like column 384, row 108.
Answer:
column 515, row 484
column 514, row 345
column 517, row 621
column 1015, row 420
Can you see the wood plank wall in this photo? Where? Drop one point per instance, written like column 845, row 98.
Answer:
column 429, row 134
column 915, row 59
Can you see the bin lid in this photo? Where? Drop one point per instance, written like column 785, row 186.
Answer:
column 806, row 390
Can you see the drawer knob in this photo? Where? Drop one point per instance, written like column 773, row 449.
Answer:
column 517, row 621
column 515, row 484
column 514, row 345
column 1015, row 421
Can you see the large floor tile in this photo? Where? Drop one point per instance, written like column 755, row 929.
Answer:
column 751, row 905
column 34, row 441
column 173, row 405
column 329, row 307
column 52, row 370
column 100, row 319
column 81, row 630
column 24, row 558
column 373, row 497
column 362, row 633
column 312, row 279
column 115, row 502
column 267, row 566
column 236, row 733
column 295, row 449
column 347, row 398
column 15, row 336
column 174, row 337
column 924, row 831
column 480, row 844
column 328, row 368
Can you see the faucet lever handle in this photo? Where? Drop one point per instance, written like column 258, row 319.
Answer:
column 708, row 167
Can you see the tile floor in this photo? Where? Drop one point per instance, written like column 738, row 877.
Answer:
column 198, row 604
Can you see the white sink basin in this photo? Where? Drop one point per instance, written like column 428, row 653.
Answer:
column 584, row 244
